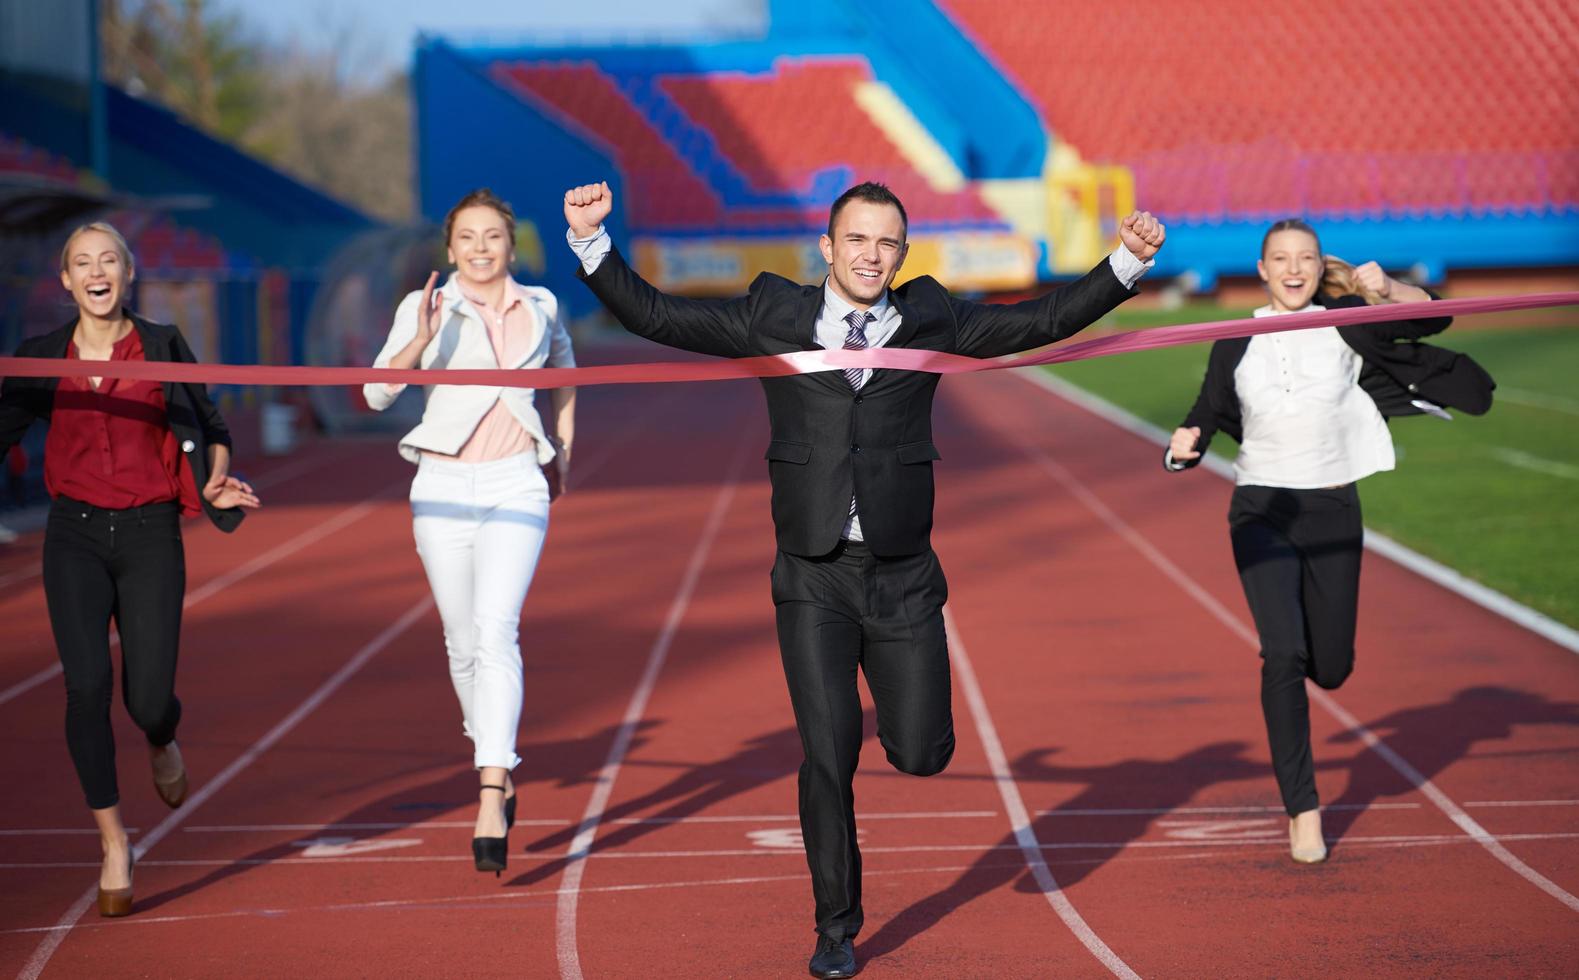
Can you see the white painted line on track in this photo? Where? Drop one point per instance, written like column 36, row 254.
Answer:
column 272, row 478
column 1448, row 578
column 57, row 934
column 1199, row 843
column 1141, row 811
column 1019, row 819
column 481, row 901
column 218, row 584
column 1209, row 603
column 576, row 854
column 1523, row 803
column 547, row 822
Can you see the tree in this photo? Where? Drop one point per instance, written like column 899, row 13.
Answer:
column 307, row 112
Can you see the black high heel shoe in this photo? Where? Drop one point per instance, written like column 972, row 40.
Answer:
column 492, row 853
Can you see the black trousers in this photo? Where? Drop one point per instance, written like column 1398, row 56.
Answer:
column 837, row 613
column 1298, row 554
column 127, row 566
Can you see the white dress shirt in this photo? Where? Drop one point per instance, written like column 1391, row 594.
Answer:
column 1307, row 423
column 831, row 325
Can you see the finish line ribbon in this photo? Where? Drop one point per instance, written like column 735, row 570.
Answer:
column 772, row 365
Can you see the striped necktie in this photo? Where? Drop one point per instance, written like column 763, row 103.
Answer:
column 855, row 339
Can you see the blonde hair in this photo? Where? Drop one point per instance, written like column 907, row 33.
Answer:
column 1339, row 280
column 103, row 227
column 1337, row 277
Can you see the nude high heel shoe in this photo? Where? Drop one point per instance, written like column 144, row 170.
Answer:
column 1306, row 852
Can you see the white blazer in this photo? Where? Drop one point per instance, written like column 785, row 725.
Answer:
column 453, row 411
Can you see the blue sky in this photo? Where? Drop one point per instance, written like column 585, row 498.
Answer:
column 382, row 31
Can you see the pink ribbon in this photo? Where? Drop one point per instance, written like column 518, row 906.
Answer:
column 772, row 365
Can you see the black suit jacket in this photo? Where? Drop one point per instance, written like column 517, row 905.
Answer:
column 1398, row 369
column 193, row 417
column 827, row 440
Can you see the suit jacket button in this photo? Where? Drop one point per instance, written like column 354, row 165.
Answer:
column 188, row 446
column 855, row 449
column 858, row 399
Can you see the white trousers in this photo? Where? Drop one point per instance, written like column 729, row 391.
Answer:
column 479, row 529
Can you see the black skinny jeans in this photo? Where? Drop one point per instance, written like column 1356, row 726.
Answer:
column 1298, row 554
column 127, row 566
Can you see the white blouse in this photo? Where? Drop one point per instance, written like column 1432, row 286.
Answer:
column 1307, row 422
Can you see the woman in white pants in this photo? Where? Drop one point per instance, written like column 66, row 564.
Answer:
column 486, row 471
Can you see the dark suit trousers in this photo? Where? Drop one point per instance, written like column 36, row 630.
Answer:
column 128, row 566
column 1298, row 553
column 837, row 613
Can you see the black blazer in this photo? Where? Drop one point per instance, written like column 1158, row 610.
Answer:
column 193, row 418
column 827, row 440
column 1398, row 369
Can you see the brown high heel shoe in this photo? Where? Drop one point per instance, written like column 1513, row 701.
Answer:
column 116, row 902
column 173, row 791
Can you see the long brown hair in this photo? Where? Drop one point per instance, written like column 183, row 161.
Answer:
column 1337, row 276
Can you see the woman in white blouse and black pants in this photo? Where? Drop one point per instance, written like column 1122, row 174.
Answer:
column 1308, row 408
column 486, row 471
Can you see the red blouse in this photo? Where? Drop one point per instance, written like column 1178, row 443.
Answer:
column 111, row 446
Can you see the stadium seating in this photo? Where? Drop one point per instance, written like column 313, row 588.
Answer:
column 737, row 151
column 1396, row 106
column 19, row 157
column 775, row 128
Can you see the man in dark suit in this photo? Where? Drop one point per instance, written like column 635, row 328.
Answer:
column 855, row 583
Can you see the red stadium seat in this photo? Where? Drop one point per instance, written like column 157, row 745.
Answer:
column 1458, row 105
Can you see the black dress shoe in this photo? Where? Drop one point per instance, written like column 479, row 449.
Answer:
column 833, row 958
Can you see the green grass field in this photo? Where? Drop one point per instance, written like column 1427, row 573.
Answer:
column 1495, row 497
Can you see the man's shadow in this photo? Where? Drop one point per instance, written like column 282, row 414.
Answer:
column 1163, row 784
column 761, row 760
column 1432, row 737
column 565, row 762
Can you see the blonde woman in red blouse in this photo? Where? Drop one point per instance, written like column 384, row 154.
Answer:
column 123, row 461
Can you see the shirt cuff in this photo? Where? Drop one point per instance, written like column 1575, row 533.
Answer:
column 590, row 250
column 1127, row 268
column 1170, row 463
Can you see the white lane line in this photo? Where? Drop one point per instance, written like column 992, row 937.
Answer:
column 1523, row 803
column 308, row 537
column 549, row 822
column 1536, row 464
column 55, row 831
column 1019, row 819
column 1138, row 811
column 1538, row 399
column 576, row 854
column 495, row 899
column 273, row 478
column 57, row 934
column 1209, row 603
column 1448, row 578
column 1269, row 842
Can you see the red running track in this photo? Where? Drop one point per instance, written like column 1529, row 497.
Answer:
column 1112, row 740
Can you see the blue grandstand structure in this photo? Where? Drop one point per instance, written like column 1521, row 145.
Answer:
column 1018, row 132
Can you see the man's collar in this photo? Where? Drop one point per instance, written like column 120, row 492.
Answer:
column 839, row 307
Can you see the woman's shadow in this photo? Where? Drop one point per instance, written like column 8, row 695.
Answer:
column 1429, row 738
column 1163, row 785
column 566, row 762
column 764, row 759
